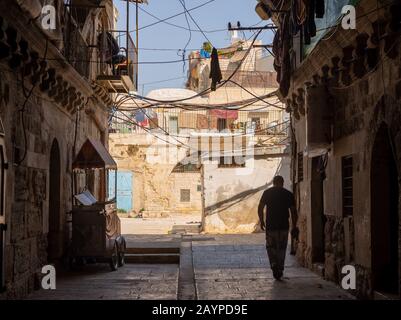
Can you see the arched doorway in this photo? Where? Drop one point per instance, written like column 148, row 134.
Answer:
column 384, row 214
column 54, row 236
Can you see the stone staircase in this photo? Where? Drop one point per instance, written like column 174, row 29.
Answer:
column 189, row 228
column 153, row 254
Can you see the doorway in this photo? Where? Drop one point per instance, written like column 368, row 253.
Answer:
column 384, row 214
column 3, row 185
column 54, row 237
column 317, row 210
column 173, row 125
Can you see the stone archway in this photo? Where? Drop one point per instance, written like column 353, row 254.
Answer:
column 384, row 213
column 54, row 237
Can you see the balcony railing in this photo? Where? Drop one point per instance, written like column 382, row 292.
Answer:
column 76, row 50
column 117, row 65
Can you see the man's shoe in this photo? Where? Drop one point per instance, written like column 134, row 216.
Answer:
column 277, row 274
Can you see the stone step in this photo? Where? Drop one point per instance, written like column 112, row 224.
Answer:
column 161, row 258
column 186, row 229
column 152, row 250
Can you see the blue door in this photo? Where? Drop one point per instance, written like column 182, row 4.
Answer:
column 124, row 189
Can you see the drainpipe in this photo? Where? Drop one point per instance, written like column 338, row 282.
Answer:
column 202, row 172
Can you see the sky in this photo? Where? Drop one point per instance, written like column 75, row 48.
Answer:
column 161, row 36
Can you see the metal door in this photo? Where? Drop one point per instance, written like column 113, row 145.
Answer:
column 124, row 189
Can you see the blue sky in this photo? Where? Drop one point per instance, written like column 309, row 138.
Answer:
column 213, row 16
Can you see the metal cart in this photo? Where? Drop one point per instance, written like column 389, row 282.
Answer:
column 96, row 228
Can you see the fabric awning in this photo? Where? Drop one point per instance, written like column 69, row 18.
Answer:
column 224, row 114
column 93, row 155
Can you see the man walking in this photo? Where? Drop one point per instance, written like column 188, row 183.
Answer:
column 278, row 202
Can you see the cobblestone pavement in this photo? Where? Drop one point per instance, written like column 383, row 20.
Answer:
column 146, row 226
column 224, row 267
column 131, row 282
column 236, row 267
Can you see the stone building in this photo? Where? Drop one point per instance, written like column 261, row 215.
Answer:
column 223, row 197
column 342, row 87
column 50, row 103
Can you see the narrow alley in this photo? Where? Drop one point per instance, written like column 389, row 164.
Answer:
column 225, row 267
column 200, row 150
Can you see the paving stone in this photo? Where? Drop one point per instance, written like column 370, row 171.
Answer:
column 225, row 267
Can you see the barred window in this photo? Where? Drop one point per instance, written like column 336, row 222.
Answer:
column 347, row 186
column 300, row 166
column 185, row 195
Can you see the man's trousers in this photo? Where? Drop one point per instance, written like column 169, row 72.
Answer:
column 276, row 245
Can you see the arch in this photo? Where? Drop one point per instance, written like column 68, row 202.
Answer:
column 384, row 213
column 54, row 236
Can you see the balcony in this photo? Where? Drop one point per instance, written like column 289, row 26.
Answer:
column 117, row 65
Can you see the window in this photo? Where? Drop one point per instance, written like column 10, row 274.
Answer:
column 188, row 167
column 221, row 124
column 185, row 195
column 300, row 166
column 231, row 162
column 199, row 188
column 173, row 125
column 189, row 164
column 347, row 185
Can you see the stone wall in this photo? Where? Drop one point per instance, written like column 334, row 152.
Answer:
column 232, row 195
column 27, row 189
column 156, row 187
column 358, row 112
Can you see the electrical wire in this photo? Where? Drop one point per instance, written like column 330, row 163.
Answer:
column 194, row 21
column 173, row 16
column 208, row 89
column 181, row 27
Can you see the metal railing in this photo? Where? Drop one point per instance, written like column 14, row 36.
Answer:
column 76, row 50
column 117, row 55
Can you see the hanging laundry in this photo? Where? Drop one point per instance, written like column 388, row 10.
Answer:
column 215, row 71
column 154, row 122
column 187, row 120
column 299, row 15
column 311, row 18
column 319, row 8
column 225, row 114
column 204, row 54
column 139, row 116
column 202, row 121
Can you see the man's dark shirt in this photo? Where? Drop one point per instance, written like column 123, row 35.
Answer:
column 278, row 202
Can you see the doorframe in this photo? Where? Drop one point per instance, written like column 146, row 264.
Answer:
column 393, row 155
column 3, row 217
column 318, row 245
column 57, row 233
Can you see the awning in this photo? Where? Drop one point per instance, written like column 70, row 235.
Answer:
column 224, row 114
column 93, row 155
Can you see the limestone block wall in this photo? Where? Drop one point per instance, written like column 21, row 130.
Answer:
column 359, row 110
column 232, row 194
column 27, row 190
column 156, row 188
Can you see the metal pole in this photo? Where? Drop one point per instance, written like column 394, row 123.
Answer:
column 137, row 45
column 127, row 37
